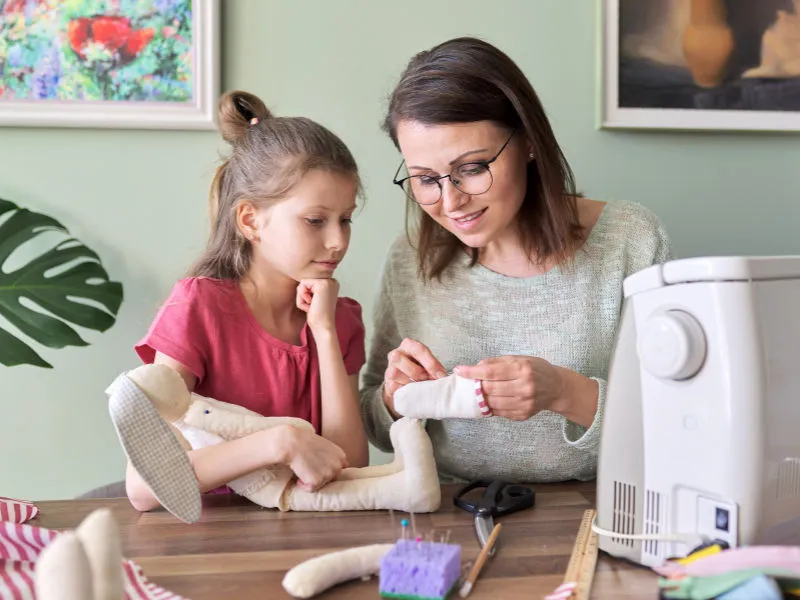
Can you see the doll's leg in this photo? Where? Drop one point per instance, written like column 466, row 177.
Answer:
column 265, row 487
column 370, row 472
column 154, row 450
column 378, row 470
column 413, row 489
column 450, row 397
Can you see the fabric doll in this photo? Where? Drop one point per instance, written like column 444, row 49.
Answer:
column 157, row 420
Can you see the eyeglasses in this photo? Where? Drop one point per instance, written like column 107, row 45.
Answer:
column 473, row 178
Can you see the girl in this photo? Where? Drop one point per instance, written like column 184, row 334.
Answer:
column 258, row 322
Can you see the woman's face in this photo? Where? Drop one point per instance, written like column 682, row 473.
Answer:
column 435, row 150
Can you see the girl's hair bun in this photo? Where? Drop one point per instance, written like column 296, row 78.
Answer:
column 237, row 112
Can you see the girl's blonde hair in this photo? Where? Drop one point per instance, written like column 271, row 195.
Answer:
column 269, row 157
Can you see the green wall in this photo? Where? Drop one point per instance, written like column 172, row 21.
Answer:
column 139, row 197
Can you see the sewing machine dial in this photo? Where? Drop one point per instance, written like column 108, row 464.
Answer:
column 672, row 345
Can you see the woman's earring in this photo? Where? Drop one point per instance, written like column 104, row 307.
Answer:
column 531, row 156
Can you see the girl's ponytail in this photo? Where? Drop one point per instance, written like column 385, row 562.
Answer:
column 216, row 192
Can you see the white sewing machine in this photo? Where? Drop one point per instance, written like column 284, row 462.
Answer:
column 701, row 437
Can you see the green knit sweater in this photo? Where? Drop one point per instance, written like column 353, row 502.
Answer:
column 568, row 316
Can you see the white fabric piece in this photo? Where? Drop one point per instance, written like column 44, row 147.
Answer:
column 316, row 575
column 197, row 438
column 450, row 397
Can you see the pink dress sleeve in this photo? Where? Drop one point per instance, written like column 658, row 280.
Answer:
column 350, row 329
column 180, row 329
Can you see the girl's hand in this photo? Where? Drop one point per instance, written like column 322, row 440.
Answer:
column 315, row 460
column 411, row 361
column 517, row 387
column 317, row 298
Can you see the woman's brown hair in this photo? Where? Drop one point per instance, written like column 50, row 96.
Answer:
column 269, row 156
column 466, row 80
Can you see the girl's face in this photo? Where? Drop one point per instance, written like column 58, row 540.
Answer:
column 436, row 150
column 306, row 235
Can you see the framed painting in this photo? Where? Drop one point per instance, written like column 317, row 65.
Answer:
column 140, row 64
column 700, row 64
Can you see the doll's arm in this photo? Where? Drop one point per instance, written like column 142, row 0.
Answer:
column 318, row 574
column 230, row 422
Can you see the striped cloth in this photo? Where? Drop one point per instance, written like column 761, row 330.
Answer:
column 21, row 545
column 17, row 511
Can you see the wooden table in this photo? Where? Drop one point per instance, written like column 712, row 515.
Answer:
column 241, row 551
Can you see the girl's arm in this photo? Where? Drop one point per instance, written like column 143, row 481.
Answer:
column 216, row 465
column 341, row 411
column 314, row 460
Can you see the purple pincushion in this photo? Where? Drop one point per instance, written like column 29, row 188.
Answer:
column 419, row 570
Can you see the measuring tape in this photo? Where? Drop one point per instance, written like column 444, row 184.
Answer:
column 580, row 570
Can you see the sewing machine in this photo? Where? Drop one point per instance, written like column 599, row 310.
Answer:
column 701, row 438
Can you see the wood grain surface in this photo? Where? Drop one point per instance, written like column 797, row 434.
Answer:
column 241, row 551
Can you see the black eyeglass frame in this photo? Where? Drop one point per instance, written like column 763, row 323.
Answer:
column 438, row 178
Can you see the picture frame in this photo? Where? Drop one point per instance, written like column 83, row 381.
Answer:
column 693, row 65
column 119, row 64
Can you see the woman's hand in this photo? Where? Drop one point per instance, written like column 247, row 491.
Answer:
column 411, row 361
column 317, row 298
column 315, row 460
column 518, row 387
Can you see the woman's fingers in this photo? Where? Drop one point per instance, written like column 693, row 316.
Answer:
column 511, row 407
column 408, row 367
column 422, row 355
column 508, row 388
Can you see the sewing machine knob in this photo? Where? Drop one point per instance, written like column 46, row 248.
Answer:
column 672, row 345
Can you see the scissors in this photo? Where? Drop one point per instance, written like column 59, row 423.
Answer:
column 499, row 499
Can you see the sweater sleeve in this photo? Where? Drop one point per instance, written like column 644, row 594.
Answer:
column 649, row 245
column 385, row 338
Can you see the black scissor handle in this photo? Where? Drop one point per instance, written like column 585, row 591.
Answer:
column 499, row 499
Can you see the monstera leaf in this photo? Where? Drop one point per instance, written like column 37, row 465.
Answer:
column 67, row 282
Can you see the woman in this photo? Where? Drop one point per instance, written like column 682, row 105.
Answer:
column 510, row 276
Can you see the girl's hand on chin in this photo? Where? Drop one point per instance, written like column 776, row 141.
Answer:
column 317, row 298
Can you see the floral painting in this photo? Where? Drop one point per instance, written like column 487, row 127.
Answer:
column 110, row 51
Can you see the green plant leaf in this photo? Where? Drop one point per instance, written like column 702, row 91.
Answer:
column 68, row 281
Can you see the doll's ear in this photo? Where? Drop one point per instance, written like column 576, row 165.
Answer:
column 63, row 571
column 165, row 388
column 100, row 536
